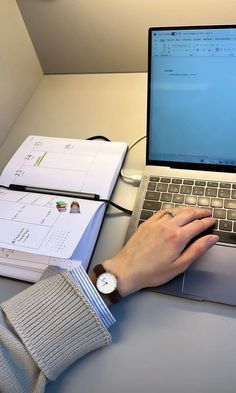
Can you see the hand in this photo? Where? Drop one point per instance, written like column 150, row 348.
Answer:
column 158, row 251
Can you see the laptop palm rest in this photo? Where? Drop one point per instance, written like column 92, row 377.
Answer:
column 212, row 277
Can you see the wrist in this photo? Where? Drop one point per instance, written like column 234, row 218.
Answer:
column 127, row 283
column 93, row 278
column 106, row 283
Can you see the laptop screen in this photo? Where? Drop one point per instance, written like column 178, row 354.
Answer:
column 191, row 118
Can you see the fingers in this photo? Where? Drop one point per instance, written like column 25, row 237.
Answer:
column 193, row 229
column 158, row 215
column 193, row 221
column 190, row 220
column 188, row 214
column 194, row 251
column 186, row 224
column 183, row 215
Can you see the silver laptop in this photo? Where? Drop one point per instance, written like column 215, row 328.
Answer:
column 191, row 146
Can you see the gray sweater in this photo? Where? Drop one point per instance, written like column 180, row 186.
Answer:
column 43, row 330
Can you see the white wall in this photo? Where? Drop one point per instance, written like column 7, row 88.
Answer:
column 80, row 36
column 20, row 70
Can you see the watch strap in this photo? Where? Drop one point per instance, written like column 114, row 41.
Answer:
column 114, row 296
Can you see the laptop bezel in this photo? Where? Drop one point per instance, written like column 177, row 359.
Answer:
column 173, row 164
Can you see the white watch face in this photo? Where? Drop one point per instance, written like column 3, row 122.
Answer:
column 106, row 283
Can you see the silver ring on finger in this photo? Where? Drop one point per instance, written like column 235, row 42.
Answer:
column 171, row 213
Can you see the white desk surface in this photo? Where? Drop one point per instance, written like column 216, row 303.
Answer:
column 160, row 343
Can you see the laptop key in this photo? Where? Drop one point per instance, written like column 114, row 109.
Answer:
column 178, row 198
column 152, row 195
column 219, row 213
column 225, row 185
column 186, row 189
column 224, row 237
column 165, row 180
column 198, row 190
column 151, row 186
column 152, row 205
column 178, row 181
column 173, row 188
column 146, row 214
column 225, row 225
column 222, row 193
column 212, row 184
column 231, row 214
column 165, row 197
column 230, row 204
column 162, row 187
column 215, row 202
column 200, row 183
column 154, row 178
column 211, row 192
column 203, row 201
column 191, row 200
column 167, row 205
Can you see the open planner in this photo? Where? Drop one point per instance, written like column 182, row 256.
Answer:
column 38, row 229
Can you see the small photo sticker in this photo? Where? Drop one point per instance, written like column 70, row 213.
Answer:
column 75, row 207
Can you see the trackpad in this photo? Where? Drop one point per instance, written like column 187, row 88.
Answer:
column 213, row 276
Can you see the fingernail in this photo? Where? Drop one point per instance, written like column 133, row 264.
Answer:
column 213, row 239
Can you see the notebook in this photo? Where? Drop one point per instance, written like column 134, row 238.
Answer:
column 191, row 146
column 55, row 218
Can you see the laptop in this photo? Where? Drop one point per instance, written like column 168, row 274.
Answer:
column 191, row 147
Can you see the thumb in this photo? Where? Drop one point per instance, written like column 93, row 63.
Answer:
column 194, row 251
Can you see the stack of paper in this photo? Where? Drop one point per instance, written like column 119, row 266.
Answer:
column 38, row 229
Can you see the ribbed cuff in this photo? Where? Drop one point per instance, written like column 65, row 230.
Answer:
column 56, row 323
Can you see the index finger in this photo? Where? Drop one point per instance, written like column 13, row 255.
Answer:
column 187, row 215
column 196, row 227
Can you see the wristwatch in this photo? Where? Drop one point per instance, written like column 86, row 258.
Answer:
column 107, row 284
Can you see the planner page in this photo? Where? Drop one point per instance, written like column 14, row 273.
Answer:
column 66, row 164
column 43, row 224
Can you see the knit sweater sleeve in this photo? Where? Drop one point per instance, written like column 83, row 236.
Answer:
column 43, row 330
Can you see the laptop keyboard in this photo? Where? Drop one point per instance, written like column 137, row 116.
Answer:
column 220, row 197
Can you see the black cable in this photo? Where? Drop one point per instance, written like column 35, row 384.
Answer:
column 123, row 209
column 91, row 138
